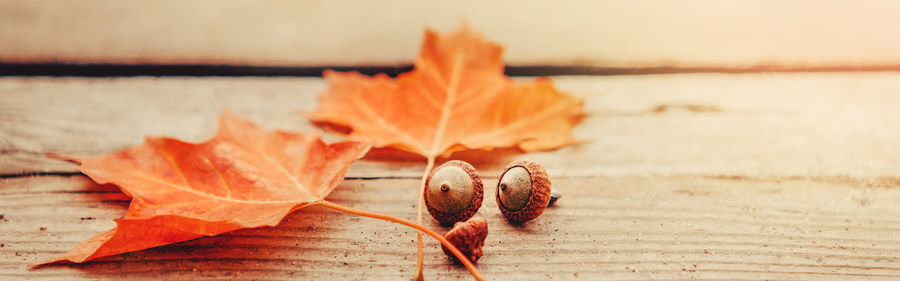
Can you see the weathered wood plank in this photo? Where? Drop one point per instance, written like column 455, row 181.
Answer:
column 648, row 33
column 825, row 125
column 605, row 228
column 763, row 176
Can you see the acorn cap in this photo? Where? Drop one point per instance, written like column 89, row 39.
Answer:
column 453, row 192
column 468, row 237
column 524, row 205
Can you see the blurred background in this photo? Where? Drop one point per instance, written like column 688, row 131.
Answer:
column 584, row 36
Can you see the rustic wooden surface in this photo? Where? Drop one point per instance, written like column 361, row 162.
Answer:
column 645, row 33
column 700, row 176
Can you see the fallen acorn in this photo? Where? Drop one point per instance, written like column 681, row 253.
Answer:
column 523, row 191
column 453, row 192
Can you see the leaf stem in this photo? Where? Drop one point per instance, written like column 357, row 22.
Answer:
column 459, row 255
column 420, row 254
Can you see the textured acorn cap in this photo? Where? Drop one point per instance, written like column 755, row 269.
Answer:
column 540, row 192
column 447, row 218
column 468, row 237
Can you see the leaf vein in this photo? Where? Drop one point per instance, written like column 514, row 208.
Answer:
column 519, row 123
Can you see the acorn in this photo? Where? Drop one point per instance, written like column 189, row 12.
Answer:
column 468, row 237
column 453, row 192
column 523, row 191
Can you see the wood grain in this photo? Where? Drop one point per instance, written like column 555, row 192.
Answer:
column 621, row 228
column 633, row 34
column 825, row 125
column 700, row 176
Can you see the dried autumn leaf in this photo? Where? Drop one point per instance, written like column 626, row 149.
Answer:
column 244, row 177
column 456, row 98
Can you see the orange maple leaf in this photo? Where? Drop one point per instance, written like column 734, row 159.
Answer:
column 456, row 98
column 244, row 177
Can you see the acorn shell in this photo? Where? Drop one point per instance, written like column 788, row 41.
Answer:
column 540, row 192
column 477, row 196
column 468, row 237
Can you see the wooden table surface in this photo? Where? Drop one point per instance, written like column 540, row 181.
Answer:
column 683, row 176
